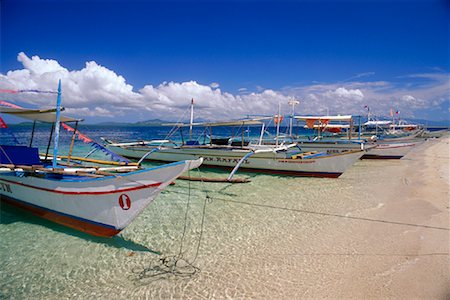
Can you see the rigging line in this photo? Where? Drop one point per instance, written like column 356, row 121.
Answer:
column 175, row 265
column 334, row 215
column 208, row 199
column 185, row 216
column 364, row 254
column 327, row 214
column 174, row 127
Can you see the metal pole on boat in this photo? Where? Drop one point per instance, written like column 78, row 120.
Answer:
column 278, row 123
column 292, row 102
column 210, row 135
column 49, row 141
column 350, row 129
column 192, row 119
column 32, row 133
column 359, row 128
column 57, row 125
column 262, row 133
column 181, row 134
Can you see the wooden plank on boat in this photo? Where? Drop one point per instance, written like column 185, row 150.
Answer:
column 98, row 161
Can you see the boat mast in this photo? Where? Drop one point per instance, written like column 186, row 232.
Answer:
column 192, row 119
column 292, row 102
column 57, row 125
column 278, row 123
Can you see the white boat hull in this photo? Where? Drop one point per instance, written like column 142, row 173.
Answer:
column 228, row 157
column 389, row 150
column 330, row 147
column 99, row 206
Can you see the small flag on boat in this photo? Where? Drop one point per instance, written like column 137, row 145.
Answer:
column 2, row 123
column 278, row 119
column 310, row 123
column 26, row 91
column 397, row 112
column 7, row 104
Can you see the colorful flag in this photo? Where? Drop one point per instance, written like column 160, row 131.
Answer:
column 26, row 91
column 8, row 91
column 278, row 119
column 2, row 123
column 7, row 104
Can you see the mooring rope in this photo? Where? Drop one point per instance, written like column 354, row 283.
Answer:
column 176, row 265
column 326, row 214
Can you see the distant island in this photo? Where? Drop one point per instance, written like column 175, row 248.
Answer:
column 159, row 122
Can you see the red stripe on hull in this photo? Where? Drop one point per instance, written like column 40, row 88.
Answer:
column 84, row 193
column 374, row 156
column 80, row 225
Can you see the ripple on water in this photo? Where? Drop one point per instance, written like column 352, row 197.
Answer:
column 251, row 231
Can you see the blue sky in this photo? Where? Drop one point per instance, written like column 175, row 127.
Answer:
column 148, row 58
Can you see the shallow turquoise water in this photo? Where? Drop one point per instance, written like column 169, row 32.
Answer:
column 43, row 260
column 248, row 234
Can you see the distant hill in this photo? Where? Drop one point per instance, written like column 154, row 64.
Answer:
column 154, row 122
column 430, row 123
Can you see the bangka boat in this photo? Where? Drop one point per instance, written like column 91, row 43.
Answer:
column 376, row 148
column 99, row 201
column 280, row 158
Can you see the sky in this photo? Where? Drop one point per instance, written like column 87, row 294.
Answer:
column 128, row 61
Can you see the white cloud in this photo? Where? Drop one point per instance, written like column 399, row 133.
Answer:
column 214, row 85
column 96, row 91
column 342, row 92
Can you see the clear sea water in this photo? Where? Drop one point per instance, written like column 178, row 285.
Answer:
column 247, row 233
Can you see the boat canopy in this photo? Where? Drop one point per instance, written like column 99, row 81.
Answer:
column 377, row 123
column 324, row 119
column 215, row 124
column 329, row 126
column 42, row 115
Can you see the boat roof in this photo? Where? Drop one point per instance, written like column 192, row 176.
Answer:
column 329, row 126
column 215, row 124
column 42, row 115
column 373, row 123
column 328, row 118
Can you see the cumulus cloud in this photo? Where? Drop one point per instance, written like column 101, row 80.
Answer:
column 214, row 85
column 96, row 91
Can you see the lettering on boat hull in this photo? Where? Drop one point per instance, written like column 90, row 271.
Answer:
column 5, row 187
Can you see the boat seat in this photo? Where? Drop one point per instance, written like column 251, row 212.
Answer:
column 19, row 155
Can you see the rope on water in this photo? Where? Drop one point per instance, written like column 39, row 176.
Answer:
column 175, row 265
column 325, row 213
